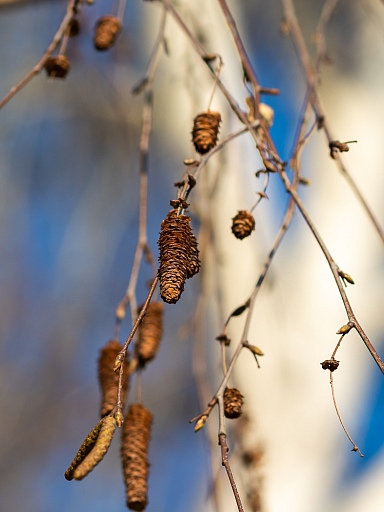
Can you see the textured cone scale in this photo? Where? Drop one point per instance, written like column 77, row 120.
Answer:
column 150, row 332
column 108, row 379
column 106, row 31
column 243, row 224
column 205, row 130
column 134, row 455
column 178, row 255
column 57, row 66
column 233, row 401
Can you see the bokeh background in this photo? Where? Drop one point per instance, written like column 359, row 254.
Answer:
column 68, row 230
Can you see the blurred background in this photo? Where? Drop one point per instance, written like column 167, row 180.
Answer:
column 69, row 178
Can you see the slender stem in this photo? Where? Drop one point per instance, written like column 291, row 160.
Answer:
column 225, row 463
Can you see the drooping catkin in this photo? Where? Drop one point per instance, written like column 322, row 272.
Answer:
column 57, row 66
column 100, row 448
column 243, row 224
column 179, row 255
column 87, row 445
column 134, row 455
column 205, row 131
column 106, row 31
column 150, row 332
column 109, row 379
column 233, row 402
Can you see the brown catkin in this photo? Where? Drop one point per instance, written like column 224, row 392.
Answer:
column 134, row 455
column 150, row 332
column 57, row 66
column 243, row 224
column 108, row 379
column 106, row 31
column 205, row 131
column 100, row 448
column 178, row 255
column 233, row 402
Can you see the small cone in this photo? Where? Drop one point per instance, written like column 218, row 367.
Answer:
column 106, row 31
column 243, row 224
column 150, row 332
column 205, row 131
column 109, row 379
column 233, row 402
column 134, row 455
column 57, row 66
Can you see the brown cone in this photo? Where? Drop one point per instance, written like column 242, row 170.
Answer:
column 57, row 66
column 205, row 131
column 178, row 255
column 108, row 379
column 150, row 332
column 243, row 224
column 134, row 455
column 233, row 402
column 106, row 31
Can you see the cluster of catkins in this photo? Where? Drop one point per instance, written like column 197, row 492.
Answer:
column 106, row 31
column 137, row 422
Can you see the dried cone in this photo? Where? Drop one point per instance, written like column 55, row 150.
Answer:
column 57, row 66
column 178, row 255
column 150, row 332
column 233, row 402
column 106, row 31
column 205, row 130
column 108, row 379
column 243, row 224
column 134, row 455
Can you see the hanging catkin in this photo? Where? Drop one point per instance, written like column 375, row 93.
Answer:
column 134, row 455
column 150, row 332
column 243, row 224
column 179, row 255
column 108, row 379
column 205, row 131
column 106, row 31
column 233, row 402
column 57, row 66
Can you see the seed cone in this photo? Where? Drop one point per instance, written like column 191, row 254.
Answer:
column 134, row 455
column 106, row 31
column 243, row 224
column 150, row 332
column 57, row 66
column 233, row 402
column 108, row 379
column 179, row 255
column 205, row 130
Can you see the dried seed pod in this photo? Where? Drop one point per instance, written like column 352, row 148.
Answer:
column 87, row 445
column 106, row 31
column 150, row 332
column 205, row 130
column 74, row 27
column 134, row 455
column 243, row 224
column 57, row 66
column 330, row 364
column 98, row 451
column 178, row 255
column 109, row 379
column 233, row 402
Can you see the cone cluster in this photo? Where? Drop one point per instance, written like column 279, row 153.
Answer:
column 108, row 379
column 179, row 256
column 106, row 31
column 233, row 402
column 150, row 332
column 243, row 224
column 205, row 131
column 57, row 66
column 134, row 455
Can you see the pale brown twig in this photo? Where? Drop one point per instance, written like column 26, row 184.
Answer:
column 225, row 463
column 71, row 11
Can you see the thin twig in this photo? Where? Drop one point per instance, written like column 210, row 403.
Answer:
column 225, row 463
column 71, row 11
